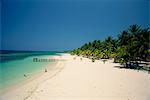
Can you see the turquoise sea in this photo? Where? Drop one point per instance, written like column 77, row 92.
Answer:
column 17, row 66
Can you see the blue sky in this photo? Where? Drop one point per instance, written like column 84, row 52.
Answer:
column 64, row 25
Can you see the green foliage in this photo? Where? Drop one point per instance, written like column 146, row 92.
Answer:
column 132, row 45
column 93, row 59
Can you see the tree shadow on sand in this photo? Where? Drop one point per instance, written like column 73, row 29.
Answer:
column 142, row 66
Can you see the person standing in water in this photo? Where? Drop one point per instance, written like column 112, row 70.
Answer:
column 45, row 70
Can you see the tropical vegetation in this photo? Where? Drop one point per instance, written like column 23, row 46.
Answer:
column 129, row 48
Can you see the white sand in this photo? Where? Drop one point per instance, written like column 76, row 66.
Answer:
column 84, row 80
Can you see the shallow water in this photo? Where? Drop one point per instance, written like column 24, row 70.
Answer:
column 14, row 71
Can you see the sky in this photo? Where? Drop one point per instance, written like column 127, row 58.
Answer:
column 58, row 25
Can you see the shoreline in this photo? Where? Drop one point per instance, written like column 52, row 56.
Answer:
column 76, row 79
column 32, row 83
column 25, row 81
column 36, row 73
column 26, row 74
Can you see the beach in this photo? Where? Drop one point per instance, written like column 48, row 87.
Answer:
column 74, row 78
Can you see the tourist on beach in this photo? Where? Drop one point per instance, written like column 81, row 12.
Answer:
column 25, row 75
column 45, row 70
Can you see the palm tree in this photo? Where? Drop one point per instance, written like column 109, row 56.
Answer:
column 134, row 29
column 131, row 46
column 144, row 44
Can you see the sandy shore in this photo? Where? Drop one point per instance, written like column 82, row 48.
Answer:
column 76, row 79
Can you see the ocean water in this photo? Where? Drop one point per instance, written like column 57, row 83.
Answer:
column 16, row 65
